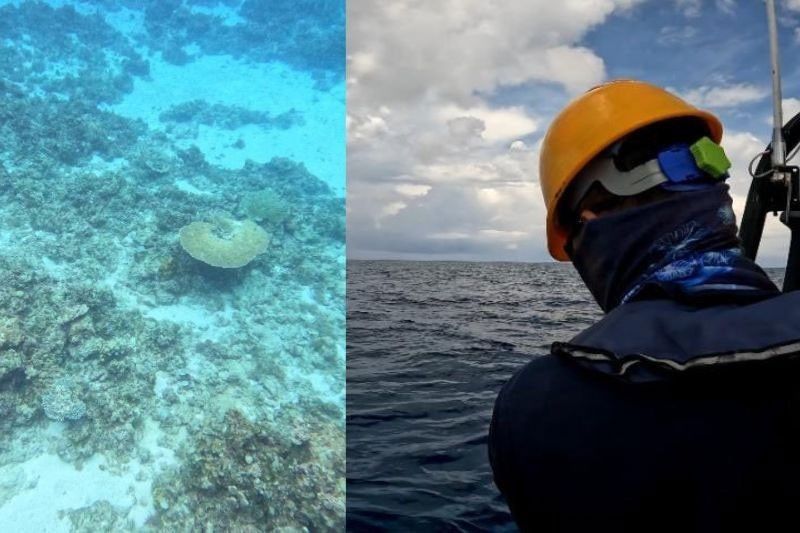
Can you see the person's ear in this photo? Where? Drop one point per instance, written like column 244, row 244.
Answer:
column 588, row 214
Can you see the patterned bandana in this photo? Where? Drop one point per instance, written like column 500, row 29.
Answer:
column 683, row 247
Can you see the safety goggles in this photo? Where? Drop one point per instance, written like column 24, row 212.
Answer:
column 678, row 167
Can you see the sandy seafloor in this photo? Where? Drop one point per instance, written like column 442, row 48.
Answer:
column 141, row 388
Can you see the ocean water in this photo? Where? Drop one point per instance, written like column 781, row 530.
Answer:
column 429, row 345
column 172, row 270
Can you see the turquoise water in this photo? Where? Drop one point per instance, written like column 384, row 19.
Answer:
column 172, row 265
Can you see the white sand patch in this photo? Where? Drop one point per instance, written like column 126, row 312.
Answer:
column 53, row 269
column 185, row 186
column 208, row 325
column 307, row 295
column 273, row 87
column 124, row 296
column 46, row 485
column 98, row 165
column 162, row 383
column 229, row 16
column 126, row 21
column 322, row 383
column 161, row 459
column 115, row 280
column 7, row 238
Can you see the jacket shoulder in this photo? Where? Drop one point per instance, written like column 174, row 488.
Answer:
column 647, row 340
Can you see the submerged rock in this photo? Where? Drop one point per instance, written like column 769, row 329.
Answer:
column 61, row 402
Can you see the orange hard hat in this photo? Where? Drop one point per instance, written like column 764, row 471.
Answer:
column 593, row 122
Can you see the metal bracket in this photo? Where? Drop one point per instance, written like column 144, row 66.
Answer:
column 792, row 184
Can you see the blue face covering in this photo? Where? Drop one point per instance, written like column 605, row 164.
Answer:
column 683, row 247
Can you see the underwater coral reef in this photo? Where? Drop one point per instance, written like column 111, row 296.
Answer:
column 171, row 291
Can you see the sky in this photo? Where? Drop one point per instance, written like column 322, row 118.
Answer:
column 448, row 101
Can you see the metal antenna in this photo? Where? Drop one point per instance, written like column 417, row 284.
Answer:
column 778, row 144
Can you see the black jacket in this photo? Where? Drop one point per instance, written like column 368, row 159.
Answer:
column 660, row 417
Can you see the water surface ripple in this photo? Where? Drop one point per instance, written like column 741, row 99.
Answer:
column 429, row 344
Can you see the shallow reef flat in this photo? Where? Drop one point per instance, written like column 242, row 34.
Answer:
column 171, row 266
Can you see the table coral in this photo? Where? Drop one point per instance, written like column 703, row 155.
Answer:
column 224, row 243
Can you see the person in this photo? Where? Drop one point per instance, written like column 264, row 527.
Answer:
column 679, row 410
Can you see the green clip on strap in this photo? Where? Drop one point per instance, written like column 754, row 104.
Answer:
column 710, row 157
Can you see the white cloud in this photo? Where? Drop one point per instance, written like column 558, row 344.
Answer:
column 435, row 163
column 741, row 147
column 466, row 129
column 793, row 5
column 499, row 124
column 452, row 235
column 490, row 196
column 412, row 190
column 513, row 235
column 791, row 107
column 726, row 6
column 405, row 50
column 369, row 126
column 440, row 164
column 454, row 172
column 576, row 68
column 727, row 95
column 689, row 8
column 392, row 209
column 518, row 146
column 670, row 35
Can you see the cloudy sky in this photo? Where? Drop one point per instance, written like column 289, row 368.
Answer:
column 448, row 102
